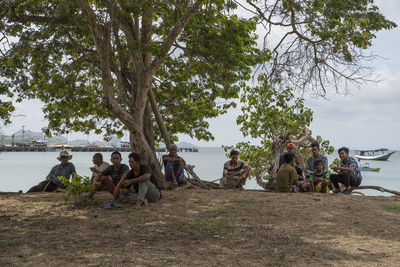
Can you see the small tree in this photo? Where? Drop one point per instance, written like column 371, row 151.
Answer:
column 276, row 118
column 76, row 187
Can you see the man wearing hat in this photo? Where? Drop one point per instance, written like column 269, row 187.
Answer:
column 291, row 149
column 65, row 169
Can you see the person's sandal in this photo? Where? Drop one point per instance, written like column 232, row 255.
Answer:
column 345, row 192
column 107, row 206
column 116, row 205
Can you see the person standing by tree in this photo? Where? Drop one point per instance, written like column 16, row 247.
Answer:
column 65, row 169
column 110, row 177
column 310, row 168
column 235, row 172
column 348, row 172
column 173, row 166
column 141, row 177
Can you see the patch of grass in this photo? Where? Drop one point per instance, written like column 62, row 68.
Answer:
column 36, row 204
column 4, row 243
column 221, row 211
column 392, row 207
column 24, row 231
column 379, row 198
column 213, row 227
column 297, row 235
column 242, row 201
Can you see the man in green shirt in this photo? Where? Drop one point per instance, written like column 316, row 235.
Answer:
column 287, row 175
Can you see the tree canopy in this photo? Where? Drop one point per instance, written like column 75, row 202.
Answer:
column 54, row 59
column 322, row 43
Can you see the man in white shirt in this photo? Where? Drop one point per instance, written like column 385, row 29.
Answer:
column 99, row 164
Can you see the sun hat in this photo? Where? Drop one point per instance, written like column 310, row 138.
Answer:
column 64, row 154
column 290, row 145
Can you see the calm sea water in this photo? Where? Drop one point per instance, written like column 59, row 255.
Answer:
column 21, row 170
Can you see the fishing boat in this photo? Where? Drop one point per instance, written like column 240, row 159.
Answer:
column 364, row 166
column 377, row 154
column 60, row 147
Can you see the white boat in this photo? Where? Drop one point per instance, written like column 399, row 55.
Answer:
column 60, row 147
column 377, row 154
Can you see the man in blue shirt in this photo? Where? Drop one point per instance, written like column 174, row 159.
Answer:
column 65, row 169
column 173, row 166
column 348, row 172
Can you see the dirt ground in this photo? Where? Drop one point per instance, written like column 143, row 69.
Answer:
column 202, row 227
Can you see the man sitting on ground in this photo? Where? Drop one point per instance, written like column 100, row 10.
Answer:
column 235, row 172
column 320, row 177
column 99, row 165
column 65, row 169
column 110, row 177
column 348, row 172
column 310, row 168
column 287, row 178
column 291, row 148
column 173, row 166
column 145, row 184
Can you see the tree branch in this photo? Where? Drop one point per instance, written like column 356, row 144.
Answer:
column 103, row 47
column 173, row 35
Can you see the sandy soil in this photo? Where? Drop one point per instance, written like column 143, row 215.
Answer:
column 202, row 227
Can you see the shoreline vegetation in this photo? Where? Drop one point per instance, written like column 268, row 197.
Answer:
column 203, row 227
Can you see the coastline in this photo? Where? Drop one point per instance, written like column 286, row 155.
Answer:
column 202, row 227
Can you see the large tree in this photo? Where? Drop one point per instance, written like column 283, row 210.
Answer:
column 158, row 67
column 106, row 64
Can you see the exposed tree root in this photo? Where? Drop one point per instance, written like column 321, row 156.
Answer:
column 381, row 189
column 194, row 180
column 355, row 192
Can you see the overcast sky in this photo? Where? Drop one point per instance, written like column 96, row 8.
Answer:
column 366, row 118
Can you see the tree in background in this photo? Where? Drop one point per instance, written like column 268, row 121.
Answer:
column 274, row 117
column 322, row 45
column 317, row 45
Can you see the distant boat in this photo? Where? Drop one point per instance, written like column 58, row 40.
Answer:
column 60, row 147
column 364, row 166
column 377, row 154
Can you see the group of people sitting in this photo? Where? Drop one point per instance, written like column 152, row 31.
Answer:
column 290, row 177
column 136, row 184
column 139, row 185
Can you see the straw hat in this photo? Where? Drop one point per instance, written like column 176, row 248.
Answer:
column 64, row 154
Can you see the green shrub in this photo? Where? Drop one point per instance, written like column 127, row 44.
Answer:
column 75, row 187
column 335, row 163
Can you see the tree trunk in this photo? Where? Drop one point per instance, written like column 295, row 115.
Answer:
column 148, row 128
column 140, row 145
column 159, row 119
column 278, row 145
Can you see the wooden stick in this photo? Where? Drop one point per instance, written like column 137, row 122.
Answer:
column 232, row 175
column 54, row 173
